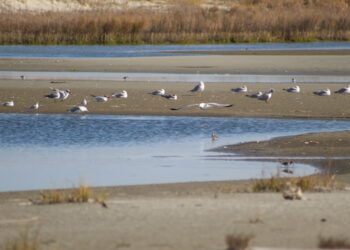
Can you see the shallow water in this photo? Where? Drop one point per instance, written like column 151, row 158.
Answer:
column 55, row 151
column 152, row 50
column 164, row 77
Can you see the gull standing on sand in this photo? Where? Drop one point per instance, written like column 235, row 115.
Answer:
column 78, row 109
column 35, row 106
column 122, row 94
column 204, row 106
column 242, row 89
column 170, row 97
column 101, row 98
column 64, row 94
column 345, row 90
column 256, row 95
column 158, row 92
column 295, row 89
column 266, row 96
column 9, row 104
column 54, row 95
column 199, row 87
column 324, row 92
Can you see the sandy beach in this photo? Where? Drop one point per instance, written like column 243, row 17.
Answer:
column 189, row 215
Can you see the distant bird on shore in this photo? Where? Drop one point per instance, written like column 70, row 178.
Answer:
column 199, row 87
column 125, row 77
column 64, row 94
column 295, row 89
column 345, row 90
column 170, row 97
column 122, row 94
column 324, row 92
column 242, row 89
column 256, row 95
column 266, row 96
column 22, row 77
column 204, row 106
column 158, row 92
column 294, row 80
column 101, row 98
column 78, row 109
column 54, row 95
column 9, row 104
column 35, row 106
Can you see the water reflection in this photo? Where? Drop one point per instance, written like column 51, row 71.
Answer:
column 51, row 151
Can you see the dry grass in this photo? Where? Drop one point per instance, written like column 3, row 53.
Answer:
column 23, row 242
column 184, row 22
column 276, row 183
column 333, row 243
column 238, row 241
column 78, row 195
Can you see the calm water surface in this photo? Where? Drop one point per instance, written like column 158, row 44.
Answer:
column 153, row 50
column 54, row 151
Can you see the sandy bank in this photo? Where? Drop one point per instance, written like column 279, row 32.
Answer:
column 209, row 64
column 140, row 102
column 178, row 218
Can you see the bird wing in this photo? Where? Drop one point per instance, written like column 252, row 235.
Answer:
column 213, row 104
column 185, row 107
column 196, row 88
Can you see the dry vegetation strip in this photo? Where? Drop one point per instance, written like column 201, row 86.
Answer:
column 244, row 21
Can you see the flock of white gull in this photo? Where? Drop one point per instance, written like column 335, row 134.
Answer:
column 62, row 95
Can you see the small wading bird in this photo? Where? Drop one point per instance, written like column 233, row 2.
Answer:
column 35, row 106
column 242, row 89
column 78, row 109
column 287, row 164
column 9, row 104
column 158, row 92
column 345, row 90
column 199, row 87
column 122, row 94
column 266, row 96
column 101, row 98
column 295, row 89
column 214, row 137
column 204, row 106
column 170, row 97
column 324, row 92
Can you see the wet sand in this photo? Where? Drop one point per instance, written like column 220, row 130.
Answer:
column 186, row 215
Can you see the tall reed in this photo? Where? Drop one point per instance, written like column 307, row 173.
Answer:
column 241, row 21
